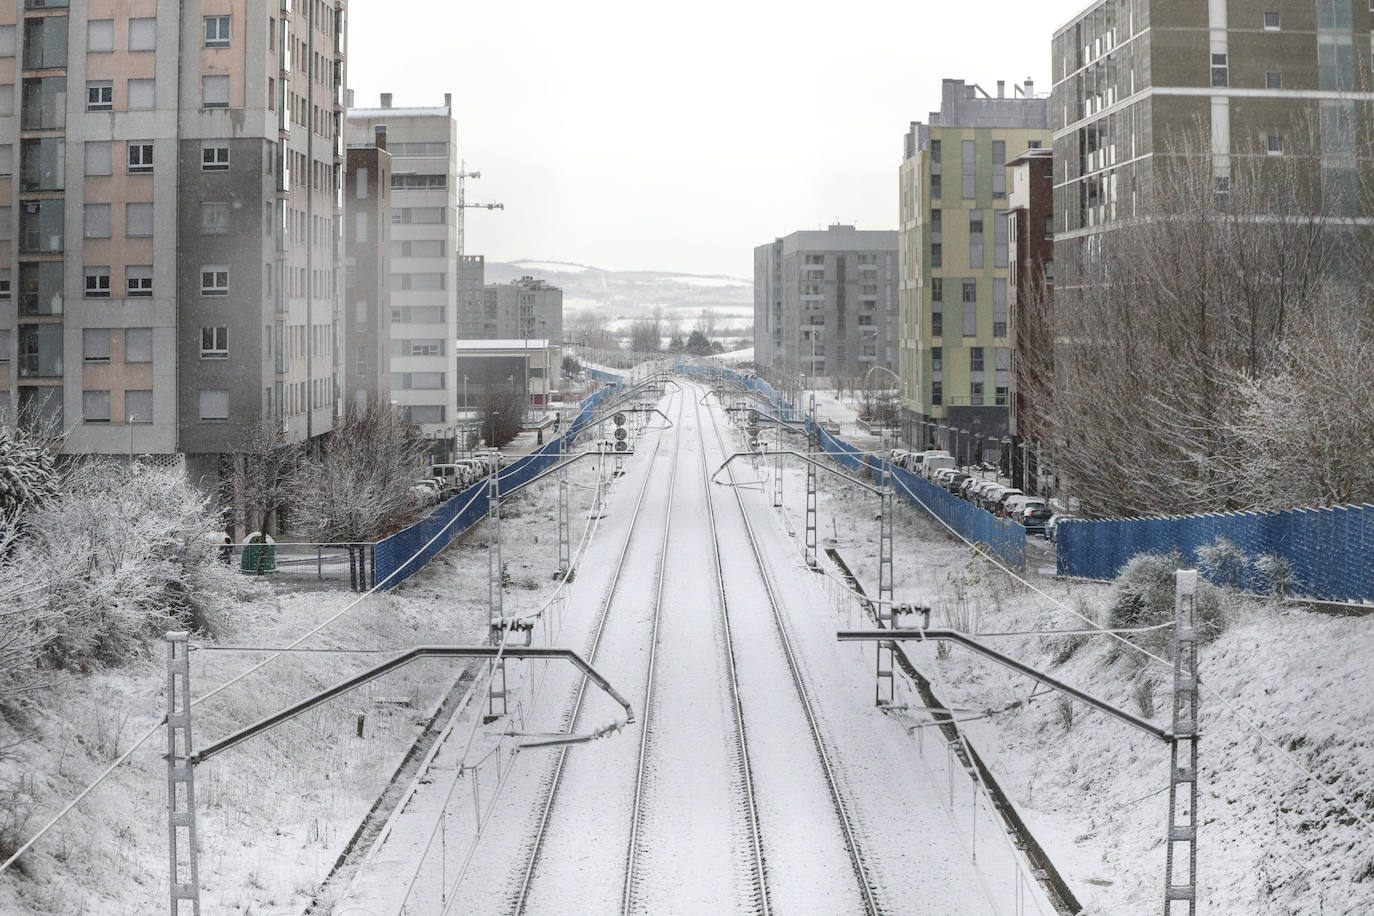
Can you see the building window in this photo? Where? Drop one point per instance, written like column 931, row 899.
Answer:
column 1271, row 21
column 1274, row 145
column 935, row 186
column 216, row 31
column 975, row 238
column 968, row 165
column 937, row 393
column 7, row 33
column 1049, row 226
column 1219, row 77
column 138, row 280
column 138, row 220
column 937, row 359
column 214, row 280
column 214, row 217
column 95, row 406
column 100, row 95
column 815, row 259
column 97, row 221
column 975, row 394
column 214, row 343
column 4, row 284
column 975, row 359
column 214, row 405
column 6, row 158
column 140, row 157
column 937, row 254
column 142, row 34
column 937, row 323
column 1002, row 396
column 98, row 157
column 934, row 152
column 138, row 345
column 97, row 282
column 214, row 156
column 99, row 35
column 142, row 94
column 214, row 91
column 970, row 310
column 95, row 345
column 138, row 405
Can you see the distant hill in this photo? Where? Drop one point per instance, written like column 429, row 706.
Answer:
column 624, row 295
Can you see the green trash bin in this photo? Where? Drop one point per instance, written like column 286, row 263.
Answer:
column 259, row 554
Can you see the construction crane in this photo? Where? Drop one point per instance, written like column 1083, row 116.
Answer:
column 463, row 174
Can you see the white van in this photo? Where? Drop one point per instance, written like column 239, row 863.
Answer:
column 934, row 461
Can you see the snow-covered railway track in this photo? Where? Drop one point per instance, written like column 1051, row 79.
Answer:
column 801, row 874
column 618, row 630
column 696, row 843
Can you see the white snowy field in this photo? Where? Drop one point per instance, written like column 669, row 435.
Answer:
column 275, row 814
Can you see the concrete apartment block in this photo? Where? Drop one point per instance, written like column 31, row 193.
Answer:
column 366, row 325
column 954, row 251
column 1135, row 80
column 423, row 144
column 523, row 308
column 170, row 206
column 825, row 303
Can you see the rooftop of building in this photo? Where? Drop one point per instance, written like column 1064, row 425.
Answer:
column 965, row 105
column 840, row 237
column 386, row 109
column 503, row 343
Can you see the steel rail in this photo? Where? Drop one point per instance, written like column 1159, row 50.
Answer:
column 763, row 904
column 546, row 810
column 646, row 729
column 827, row 769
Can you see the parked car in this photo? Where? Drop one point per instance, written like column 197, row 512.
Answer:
column 1016, row 504
column 999, row 501
column 1035, row 520
column 426, row 490
column 941, row 476
column 955, row 481
column 1052, row 525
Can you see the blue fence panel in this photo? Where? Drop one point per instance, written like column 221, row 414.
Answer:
column 1330, row 551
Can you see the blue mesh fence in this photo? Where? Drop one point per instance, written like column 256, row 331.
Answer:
column 407, row 551
column 1328, row 549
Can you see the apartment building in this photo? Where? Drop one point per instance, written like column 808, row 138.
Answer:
column 366, row 324
column 1136, row 80
column 825, row 302
column 1030, row 296
column 169, row 221
column 523, row 308
column 472, row 273
column 954, row 252
column 423, row 144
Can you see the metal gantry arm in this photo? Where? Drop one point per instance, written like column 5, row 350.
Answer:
column 969, row 642
column 405, row 658
column 804, row 457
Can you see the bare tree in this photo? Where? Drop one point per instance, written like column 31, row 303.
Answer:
column 644, row 336
column 260, row 479
column 359, row 487
column 590, row 329
column 503, row 414
column 1178, row 304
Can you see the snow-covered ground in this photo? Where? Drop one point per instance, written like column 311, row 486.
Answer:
column 276, row 813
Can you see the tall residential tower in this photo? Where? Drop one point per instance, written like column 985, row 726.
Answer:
column 955, row 349
column 170, row 217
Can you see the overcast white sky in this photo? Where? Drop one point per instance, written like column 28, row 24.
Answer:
column 677, row 136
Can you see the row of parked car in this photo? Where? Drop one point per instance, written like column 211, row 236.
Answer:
column 991, row 495
column 447, row 479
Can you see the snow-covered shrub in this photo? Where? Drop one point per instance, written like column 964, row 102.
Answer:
column 123, row 556
column 28, row 476
column 1277, row 573
column 1222, row 561
column 1144, row 597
